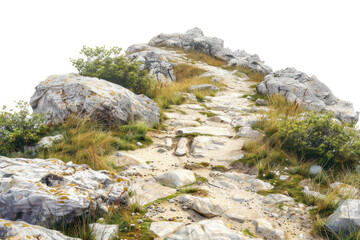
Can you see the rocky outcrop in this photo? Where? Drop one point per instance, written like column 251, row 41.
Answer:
column 346, row 218
column 60, row 96
column 23, row 231
column 152, row 59
column 308, row 92
column 39, row 191
column 194, row 39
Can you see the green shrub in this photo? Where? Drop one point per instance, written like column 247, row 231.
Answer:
column 19, row 128
column 318, row 137
column 114, row 67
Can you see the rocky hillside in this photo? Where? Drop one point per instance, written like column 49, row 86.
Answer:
column 213, row 169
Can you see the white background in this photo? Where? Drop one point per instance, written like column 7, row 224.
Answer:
column 321, row 38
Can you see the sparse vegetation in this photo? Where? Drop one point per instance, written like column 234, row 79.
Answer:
column 88, row 141
column 19, row 129
column 112, row 65
column 297, row 139
column 198, row 56
column 253, row 76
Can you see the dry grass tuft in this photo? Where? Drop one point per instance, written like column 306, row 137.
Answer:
column 89, row 142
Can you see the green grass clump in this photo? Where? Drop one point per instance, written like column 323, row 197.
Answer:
column 208, row 114
column 252, row 75
column 219, row 168
column 185, row 71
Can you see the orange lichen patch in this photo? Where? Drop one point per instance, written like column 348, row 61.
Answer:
column 61, row 201
column 63, row 198
column 120, row 179
column 7, row 224
column 147, row 102
column 112, row 93
column 25, row 225
column 20, row 196
column 57, row 92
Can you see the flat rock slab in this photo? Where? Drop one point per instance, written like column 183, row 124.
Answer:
column 248, row 132
column 147, row 192
column 205, row 130
column 202, row 205
column 163, row 229
column 201, row 144
column 124, row 159
column 207, row 230
column 203, row 87
column 39, row 190
column 176, row 178
column 103, row 231
column 276, row 199
column 23, row 231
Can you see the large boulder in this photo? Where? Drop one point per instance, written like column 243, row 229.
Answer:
column 307, row 91
column 60, row 96
column 23, row 231
column 194, row 39
column 346, row 218
column 152, row 59
column 40, row 191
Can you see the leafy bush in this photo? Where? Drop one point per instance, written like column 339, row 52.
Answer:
column 318, row 137
column 114, row 67
column 19, row 128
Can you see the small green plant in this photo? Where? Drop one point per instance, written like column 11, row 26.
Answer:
column 19, row 128
column 112, row 65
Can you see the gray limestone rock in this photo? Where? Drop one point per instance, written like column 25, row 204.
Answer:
column 346, row 218
column 153, row 60
column 103, row 231
column 194, row 39
column 60, row 96
column 23, row 231
column 176, row 178
column 308, row 92
column 202, row 205
column 207, row 230
column 39, row 190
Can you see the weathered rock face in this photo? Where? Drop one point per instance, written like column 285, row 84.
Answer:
column 153, row 60
column 307, row 91
column 346, row 218
column 59, row 96
column 194, row 39
column 38, row 191
column 206, row 230
column 23, row 231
